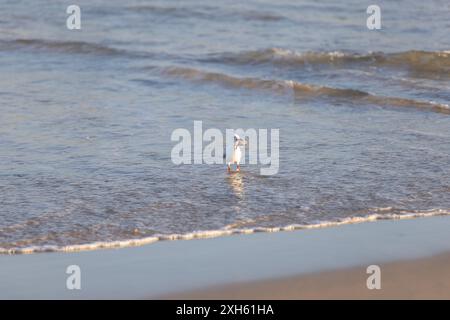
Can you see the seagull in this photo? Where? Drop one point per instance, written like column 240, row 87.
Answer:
column 234, row 153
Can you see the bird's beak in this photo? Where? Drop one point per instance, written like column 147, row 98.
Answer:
column 242, row 141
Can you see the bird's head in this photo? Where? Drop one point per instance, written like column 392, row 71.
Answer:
column 238, row 141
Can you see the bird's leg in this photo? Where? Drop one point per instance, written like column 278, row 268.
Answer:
column 228, row 168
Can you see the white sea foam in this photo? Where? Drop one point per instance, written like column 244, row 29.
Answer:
column 227, row 231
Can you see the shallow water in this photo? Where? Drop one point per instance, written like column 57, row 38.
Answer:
column 86, row 116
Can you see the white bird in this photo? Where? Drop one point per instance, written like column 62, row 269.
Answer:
column 234, row 153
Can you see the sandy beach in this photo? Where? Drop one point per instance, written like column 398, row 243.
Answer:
column 426, row 278
column 320, row 263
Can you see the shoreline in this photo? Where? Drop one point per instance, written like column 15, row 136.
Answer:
column 171, row 268
column 208, row 234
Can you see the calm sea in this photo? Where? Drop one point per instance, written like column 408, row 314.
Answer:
column 86, row 117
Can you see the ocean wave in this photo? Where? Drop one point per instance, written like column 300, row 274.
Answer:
column 302, row 90
column 73, row 47
column 380, row 214
column 175, row 11
column 205, row 12
column 437, row 62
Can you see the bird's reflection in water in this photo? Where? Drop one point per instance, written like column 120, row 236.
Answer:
column 236, row 182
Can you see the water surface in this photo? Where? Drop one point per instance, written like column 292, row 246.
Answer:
column 86, row 116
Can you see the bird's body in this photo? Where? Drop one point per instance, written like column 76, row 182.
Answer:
column 234, row 153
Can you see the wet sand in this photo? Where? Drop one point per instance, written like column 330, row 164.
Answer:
column 426, row 278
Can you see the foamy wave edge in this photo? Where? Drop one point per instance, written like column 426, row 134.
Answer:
column 433, row 60
column 222, row 232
